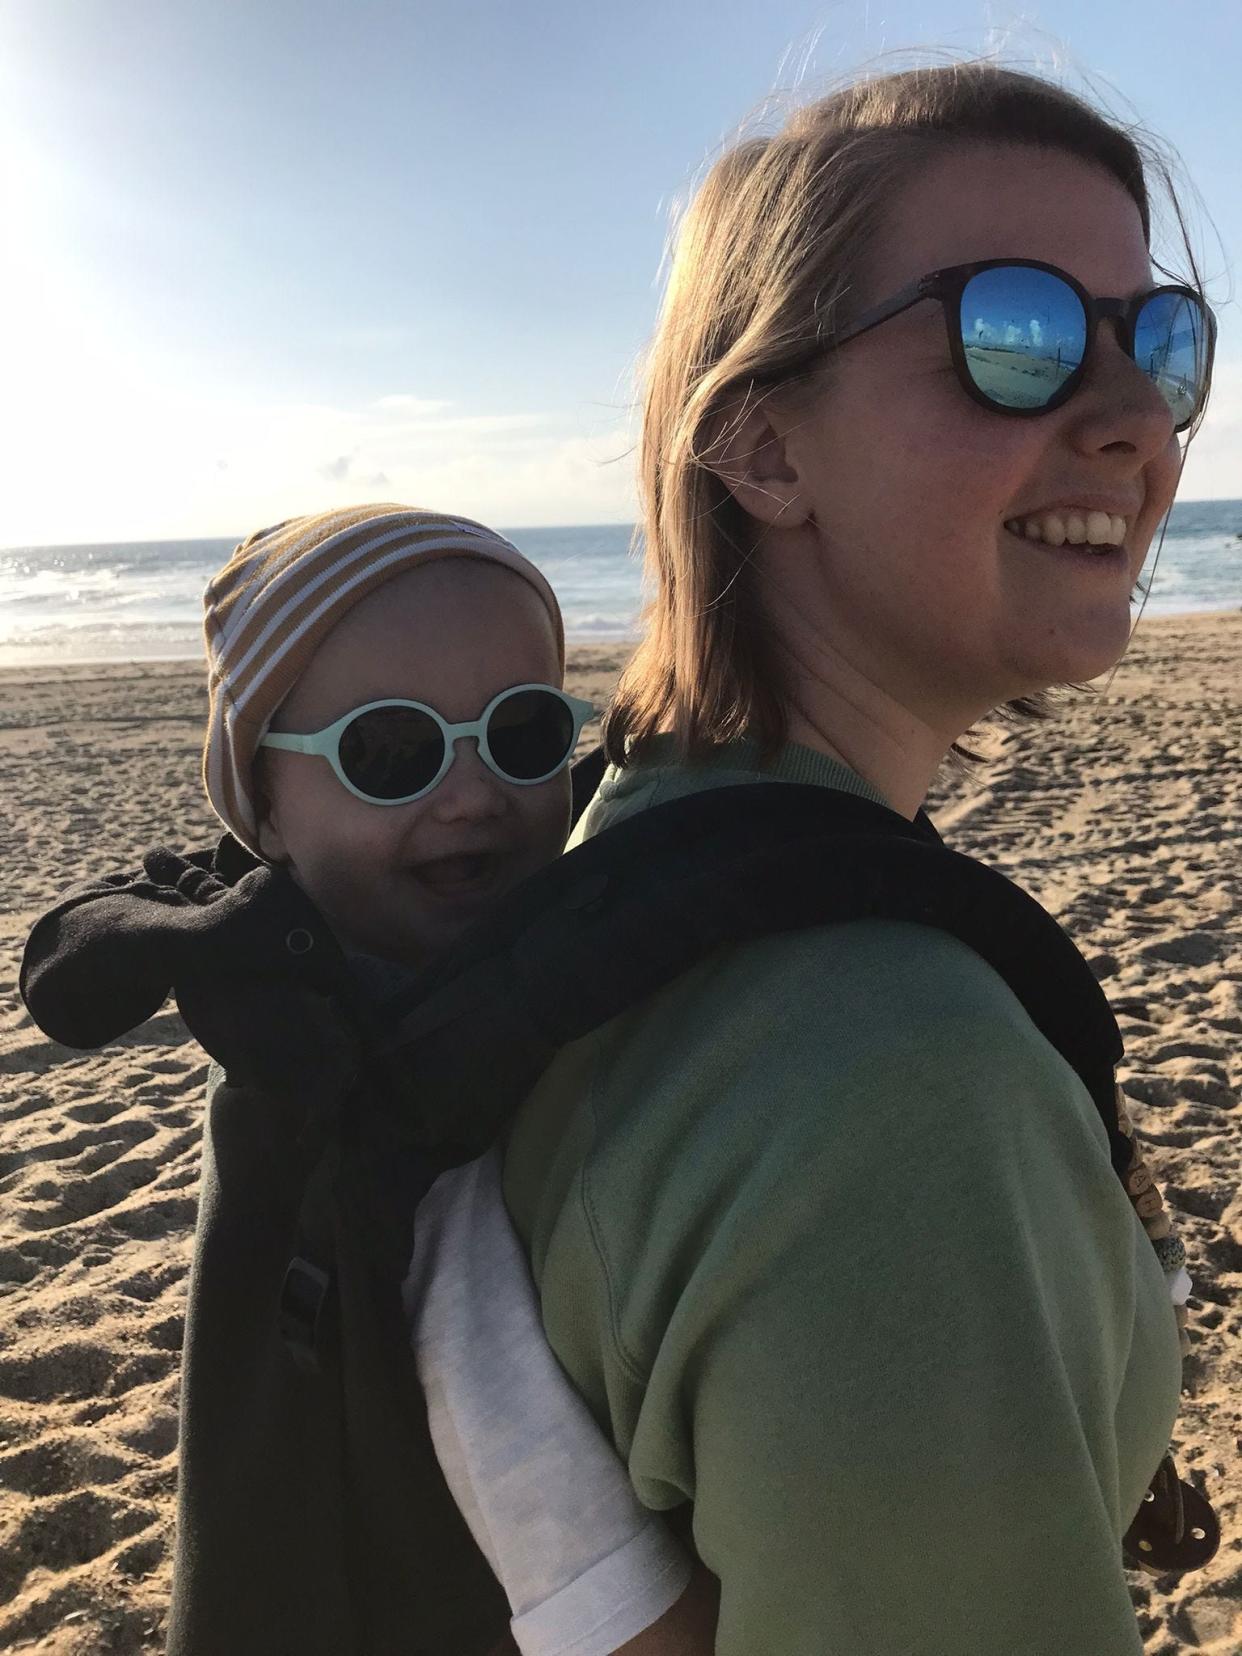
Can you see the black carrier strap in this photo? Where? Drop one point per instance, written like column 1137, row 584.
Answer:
column 630, row 910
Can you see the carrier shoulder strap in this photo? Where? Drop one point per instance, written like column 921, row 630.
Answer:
column 631, row 909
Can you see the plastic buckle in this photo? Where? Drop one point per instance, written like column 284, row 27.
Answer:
column 303, row 1295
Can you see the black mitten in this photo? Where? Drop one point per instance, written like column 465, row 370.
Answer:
column 101, row 961
column 255, row 969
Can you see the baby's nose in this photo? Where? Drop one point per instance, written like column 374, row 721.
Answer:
column 469, row 788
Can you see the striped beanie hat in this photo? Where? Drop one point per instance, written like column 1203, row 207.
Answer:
column 278, row 597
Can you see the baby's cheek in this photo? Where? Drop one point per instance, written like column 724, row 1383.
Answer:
column 551, row 827
column 344, row 880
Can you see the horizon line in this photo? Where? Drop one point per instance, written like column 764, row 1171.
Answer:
column 508, row 529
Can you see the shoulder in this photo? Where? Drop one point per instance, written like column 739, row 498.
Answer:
column 867, row 1102
column 862, row 1047
column 846, row 1006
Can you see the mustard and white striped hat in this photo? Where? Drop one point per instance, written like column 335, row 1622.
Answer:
column 278, row 597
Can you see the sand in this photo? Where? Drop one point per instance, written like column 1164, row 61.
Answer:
column 1120, row 816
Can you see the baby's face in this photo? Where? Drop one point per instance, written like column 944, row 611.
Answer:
column 402, row 881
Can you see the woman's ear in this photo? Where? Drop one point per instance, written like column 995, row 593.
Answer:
column 746, row 450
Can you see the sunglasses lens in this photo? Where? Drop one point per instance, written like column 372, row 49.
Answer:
column 1171, row 347
column 530, row 735
column 391, row 752
column 1024, row 333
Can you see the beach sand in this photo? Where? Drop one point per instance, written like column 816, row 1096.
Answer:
column 1121, row 816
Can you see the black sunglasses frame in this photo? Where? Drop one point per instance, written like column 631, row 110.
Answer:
column 947, row 286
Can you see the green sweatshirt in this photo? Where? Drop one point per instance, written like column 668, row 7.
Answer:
column 827, row 1235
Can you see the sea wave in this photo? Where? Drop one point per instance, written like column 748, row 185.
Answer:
column 144, row 600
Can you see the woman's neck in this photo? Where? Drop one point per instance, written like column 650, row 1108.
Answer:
column 902, row 773
column 838, row 705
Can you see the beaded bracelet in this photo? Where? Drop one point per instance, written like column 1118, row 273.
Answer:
column 1175, row 1529
column 1144, row 1193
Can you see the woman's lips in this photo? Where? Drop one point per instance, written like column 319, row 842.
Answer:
column 1103, row 557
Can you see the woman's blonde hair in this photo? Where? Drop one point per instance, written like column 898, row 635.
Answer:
column 764, row 258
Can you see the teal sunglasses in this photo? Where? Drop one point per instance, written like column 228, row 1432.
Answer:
column 394, row 752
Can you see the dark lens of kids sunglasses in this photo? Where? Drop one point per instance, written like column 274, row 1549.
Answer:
column 1024, row 333
column 391, row 752
column 530, row 735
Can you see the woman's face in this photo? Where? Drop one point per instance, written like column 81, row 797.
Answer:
column 909, row 483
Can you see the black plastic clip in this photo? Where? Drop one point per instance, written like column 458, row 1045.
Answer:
column 303, row 1295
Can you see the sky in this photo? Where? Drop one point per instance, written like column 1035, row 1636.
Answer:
column 263, row 258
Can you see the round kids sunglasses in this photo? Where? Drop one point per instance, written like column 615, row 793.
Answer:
column 1021, row 334
column 393, row 752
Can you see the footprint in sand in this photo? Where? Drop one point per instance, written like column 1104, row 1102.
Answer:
column 59, row 1464
column 65, row 1531
column 63, row 1204
column 72, row 1369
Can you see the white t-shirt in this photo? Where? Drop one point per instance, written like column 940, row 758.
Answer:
column 584, row 1565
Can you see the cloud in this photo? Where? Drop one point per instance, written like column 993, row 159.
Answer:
column 401, row 403
column 371, row 336
column 222, row 466
column 342, row 470
column 431, row 417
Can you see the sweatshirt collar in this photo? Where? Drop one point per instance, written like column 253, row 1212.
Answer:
column 661, row 776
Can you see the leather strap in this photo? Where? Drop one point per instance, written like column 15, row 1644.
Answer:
column 1175, row 1528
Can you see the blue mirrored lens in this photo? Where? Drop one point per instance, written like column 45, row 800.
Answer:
column 1170, row 346
column 1024, row 333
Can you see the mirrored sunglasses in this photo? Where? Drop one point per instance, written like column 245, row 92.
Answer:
column 1022, row 333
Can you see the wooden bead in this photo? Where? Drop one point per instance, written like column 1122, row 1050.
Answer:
column 1138, row 1179
column 1123, row 1115
column 1148, row 1204
column 1158, row 1227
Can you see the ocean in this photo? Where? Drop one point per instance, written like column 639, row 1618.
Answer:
column 129, row 601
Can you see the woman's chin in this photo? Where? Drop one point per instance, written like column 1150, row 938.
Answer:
column 1074, row 649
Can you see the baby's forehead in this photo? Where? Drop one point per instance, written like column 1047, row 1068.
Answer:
column 446, row 628
column 454, row 579
column 468, row 595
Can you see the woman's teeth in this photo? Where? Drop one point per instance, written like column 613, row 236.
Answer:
column 1074, row 528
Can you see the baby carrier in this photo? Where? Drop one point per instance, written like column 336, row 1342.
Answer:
column 313, row 1516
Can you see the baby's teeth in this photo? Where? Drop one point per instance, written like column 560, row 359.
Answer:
column 1054, row 530
column 1099, row 528
column 1118, row 531
column 1075, row 529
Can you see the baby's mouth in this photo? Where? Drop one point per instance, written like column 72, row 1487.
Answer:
column 465, row 874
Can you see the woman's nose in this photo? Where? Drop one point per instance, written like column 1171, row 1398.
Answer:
column 1120, row 408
